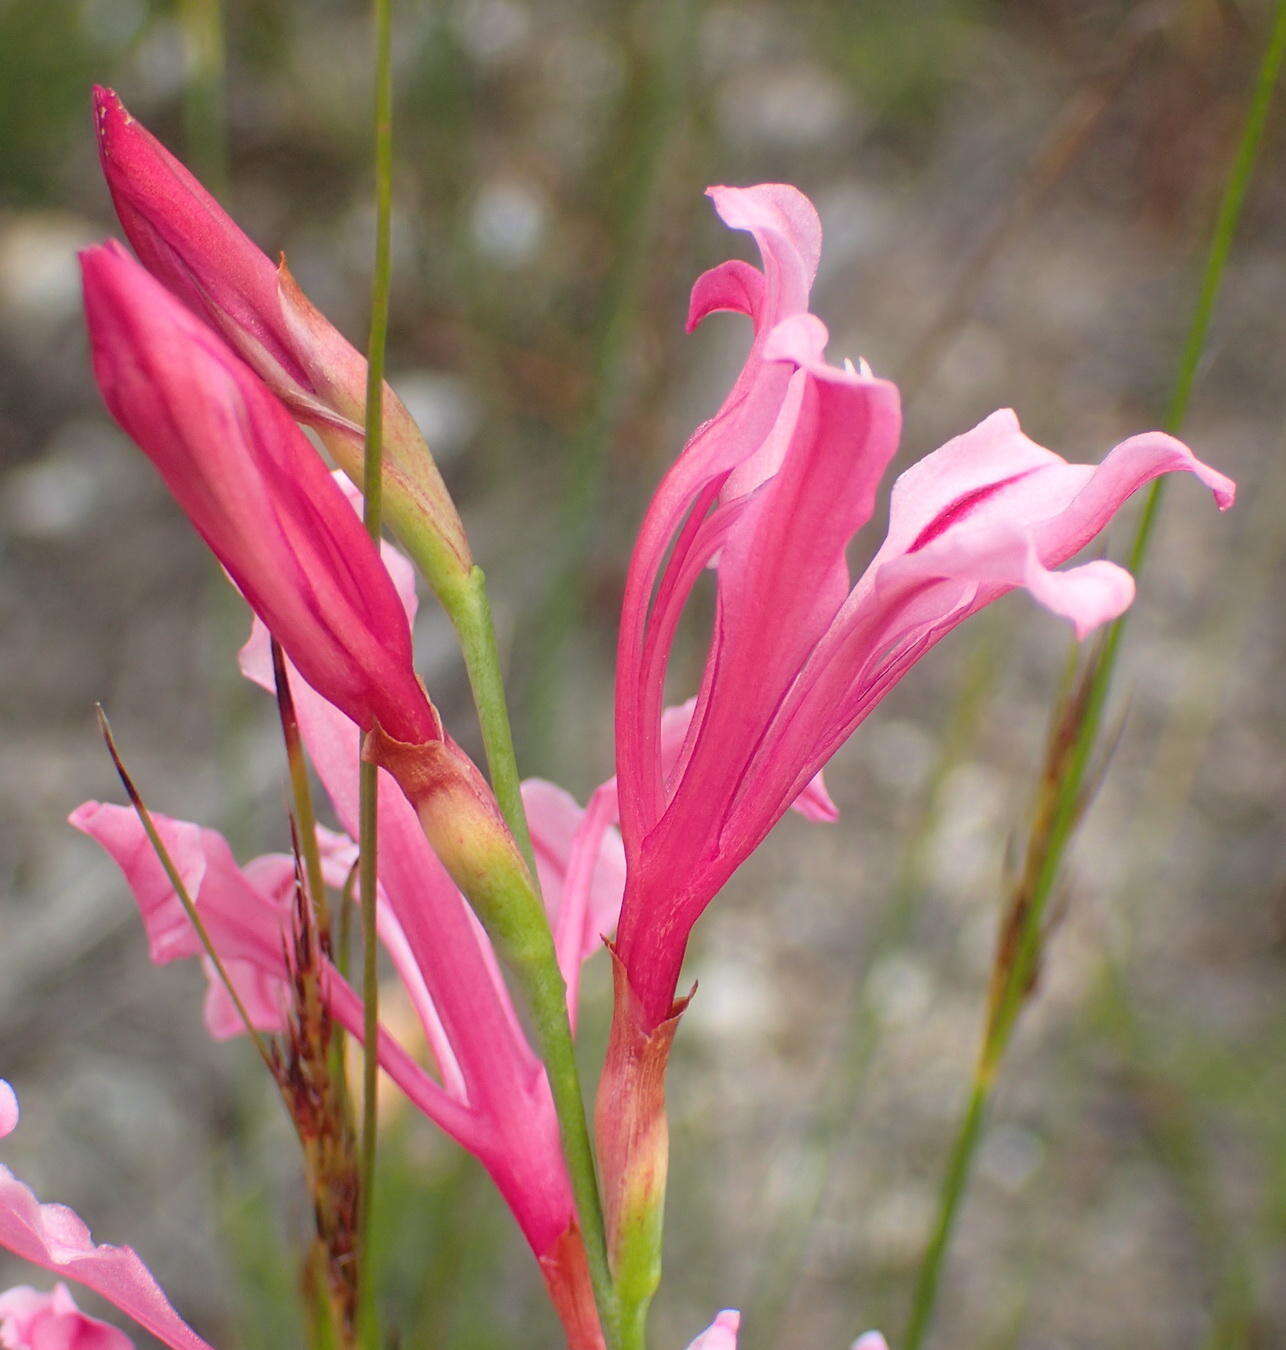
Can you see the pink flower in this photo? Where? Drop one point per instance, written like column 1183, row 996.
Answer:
column 258, row 493
column 490, row 1093
column 769, row 493
column 721, row 1334
column 32, row 1320
column 54, row 1238
column 198, row 252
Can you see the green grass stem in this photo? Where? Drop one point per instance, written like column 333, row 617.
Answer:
column 372, row 492
column 1049, row 841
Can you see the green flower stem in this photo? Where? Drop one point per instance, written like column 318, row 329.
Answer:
column 1053, row 827
column 470, row 611
column 368, row 781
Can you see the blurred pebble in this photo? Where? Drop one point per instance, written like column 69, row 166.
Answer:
column 58, row 493
column 788, row 106
column 899, row 988
column 443, row 407
column 39, row 275
column 730, row 1003
column 732, row 35
column 1011, row 1156
column 112, row 24
column 894, row 1225
column 966, row 852
column 508, row 220
column 898, row 754
column 493, row 31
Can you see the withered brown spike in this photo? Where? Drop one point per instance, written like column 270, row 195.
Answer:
column 285, row 701
column 105, row 727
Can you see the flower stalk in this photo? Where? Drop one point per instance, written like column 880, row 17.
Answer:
column 469, row 610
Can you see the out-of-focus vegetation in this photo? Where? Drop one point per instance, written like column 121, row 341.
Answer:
column 1015, row 199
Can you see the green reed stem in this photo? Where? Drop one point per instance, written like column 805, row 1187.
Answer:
column 368, row 783
column 959, row 1165
column 1053, row 830
column 1103, row 661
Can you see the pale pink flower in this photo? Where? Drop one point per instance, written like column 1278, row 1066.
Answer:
column 33, row 1320
column 490, row 1093
column 721, row 1334
column 769, row 493
column 56, row 1239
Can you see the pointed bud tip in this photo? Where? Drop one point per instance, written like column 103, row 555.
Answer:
column 109, row 114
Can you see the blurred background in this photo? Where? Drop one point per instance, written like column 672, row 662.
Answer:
column 1016, row 200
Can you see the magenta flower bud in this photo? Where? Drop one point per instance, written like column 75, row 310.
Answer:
column 199, row 253
column 258, row 493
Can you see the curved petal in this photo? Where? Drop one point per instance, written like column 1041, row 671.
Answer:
column 243, row 922
column 734, row 287
column 994, row 474
column 783, row 578
column 263, row 996
column 786, row 229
